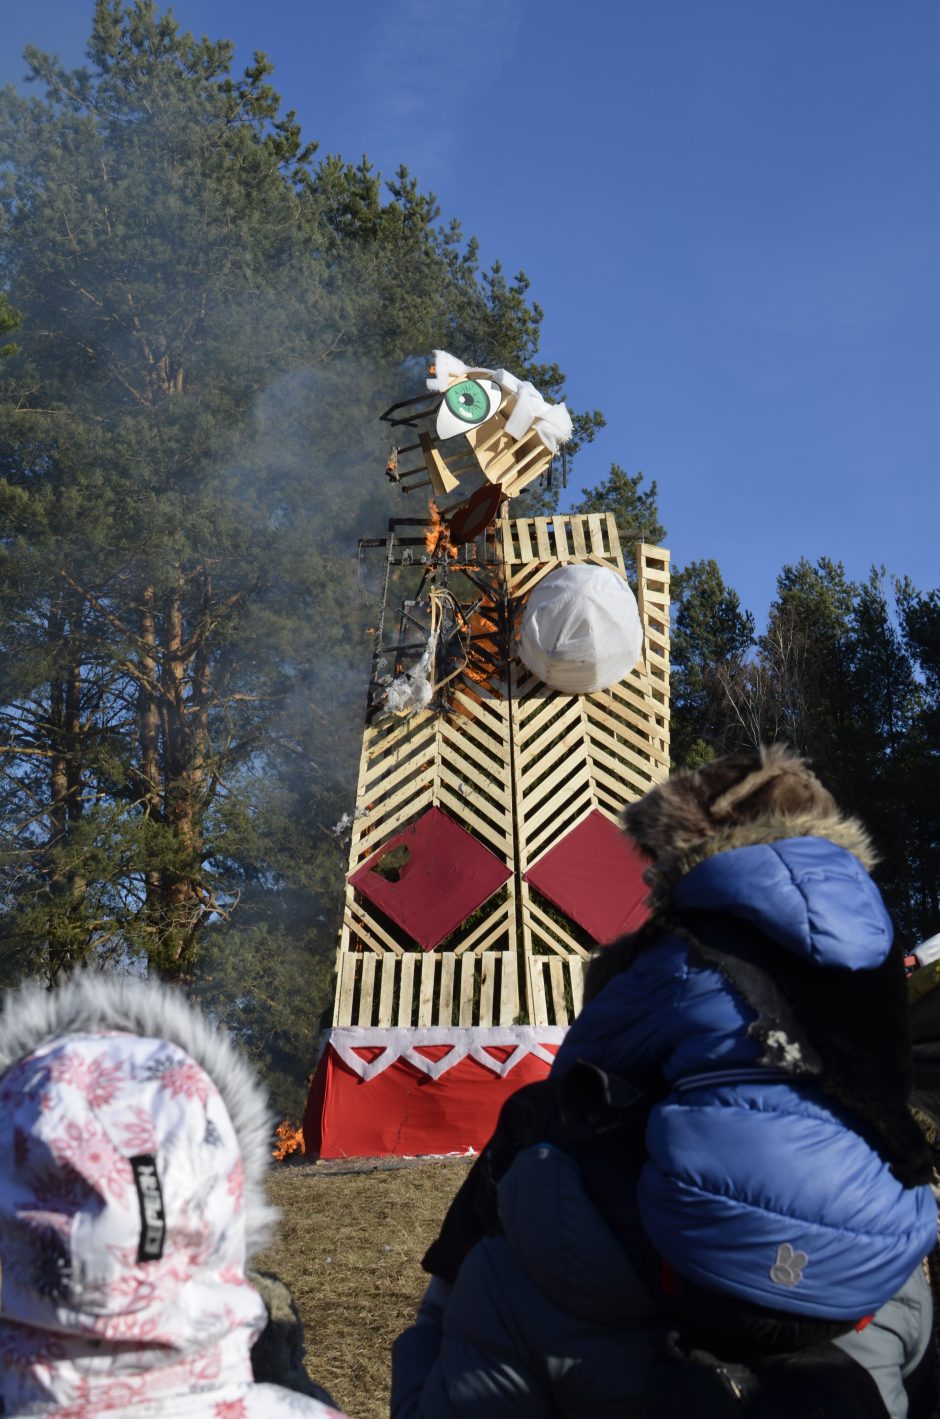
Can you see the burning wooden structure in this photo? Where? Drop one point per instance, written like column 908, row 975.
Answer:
column 484, row 861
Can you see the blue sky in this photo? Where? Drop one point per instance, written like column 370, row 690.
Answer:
column 729, row 210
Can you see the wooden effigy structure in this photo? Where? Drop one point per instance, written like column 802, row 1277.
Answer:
column 484, row 858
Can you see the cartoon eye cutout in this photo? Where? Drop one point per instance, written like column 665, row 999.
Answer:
column 467, row 403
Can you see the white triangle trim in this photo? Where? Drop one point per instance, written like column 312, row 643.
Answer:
column 472, row 1042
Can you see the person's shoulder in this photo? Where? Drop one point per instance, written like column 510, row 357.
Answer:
column 665, row 957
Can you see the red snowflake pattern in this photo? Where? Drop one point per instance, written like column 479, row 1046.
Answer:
column 122, row 1327
column 95, row 1078
column 189, row 1080
column 205, row 1368
column 230, row 1409
column 134, row 1290
column 118, row 1394
column 91, row 1153
column 138, row 1132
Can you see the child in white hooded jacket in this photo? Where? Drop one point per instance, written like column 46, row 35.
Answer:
column 131, row 1197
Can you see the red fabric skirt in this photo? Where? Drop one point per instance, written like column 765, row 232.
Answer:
column 407, row 1093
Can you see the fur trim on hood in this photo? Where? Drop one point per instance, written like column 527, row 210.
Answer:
column 94, row 1003
column 734, row 802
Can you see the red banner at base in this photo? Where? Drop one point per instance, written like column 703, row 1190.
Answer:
column 408, row 1093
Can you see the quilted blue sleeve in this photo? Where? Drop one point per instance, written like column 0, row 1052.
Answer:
column 630, row 1024
column 662, row 1013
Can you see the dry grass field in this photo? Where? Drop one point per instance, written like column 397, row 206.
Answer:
column 349, row 1246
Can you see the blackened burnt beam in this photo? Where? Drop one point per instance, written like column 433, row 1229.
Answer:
column 389, row 416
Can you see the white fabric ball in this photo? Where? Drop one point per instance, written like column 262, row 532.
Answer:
column 581, row 629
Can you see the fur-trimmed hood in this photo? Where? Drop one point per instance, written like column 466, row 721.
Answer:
column 742, row 800
column 131, row 1195
column 94, row 1003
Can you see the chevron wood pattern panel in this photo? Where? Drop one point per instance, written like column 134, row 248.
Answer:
column 573, row 754
column 518, row 765
column 458, row 762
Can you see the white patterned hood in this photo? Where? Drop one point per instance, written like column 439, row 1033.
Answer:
column 124, row 1232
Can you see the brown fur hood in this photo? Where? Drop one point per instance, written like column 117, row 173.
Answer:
column 736, row 801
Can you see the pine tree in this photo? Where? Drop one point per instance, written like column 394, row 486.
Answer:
column 212, row 320
column 635, row 508
column 711, row 676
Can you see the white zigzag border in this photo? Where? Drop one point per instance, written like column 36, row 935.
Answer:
column 467, row 1043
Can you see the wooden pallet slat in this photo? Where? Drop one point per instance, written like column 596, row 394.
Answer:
column 426, row 988
column 496, row 836
column 345, row 985
column 446, row 1002
column 577, row 538
column 366, row 987
column 550, row 932
column 576, row 973
column 538, row 1008
column 560, row 535
column 546, row 552
column 469, row 783
column 488, row 962
column 490, row 925
column 387, row 988
column 467, row 973
column 362, row 925
column 556, row 977
column 509, row 989
column 596, row 534
column 406, row 981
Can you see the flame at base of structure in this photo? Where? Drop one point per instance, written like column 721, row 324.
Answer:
column 290, row 1139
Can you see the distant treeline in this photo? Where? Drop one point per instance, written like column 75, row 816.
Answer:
column 849, row 673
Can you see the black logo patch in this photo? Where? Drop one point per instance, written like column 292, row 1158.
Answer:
column 152, row 1214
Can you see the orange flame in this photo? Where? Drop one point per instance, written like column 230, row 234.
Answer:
column 482, row 624
column 436, row 541
column 290, row 1137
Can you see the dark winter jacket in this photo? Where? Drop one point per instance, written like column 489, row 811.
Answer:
column 546, row 1319
column 776, row 1172
column 550, row 1318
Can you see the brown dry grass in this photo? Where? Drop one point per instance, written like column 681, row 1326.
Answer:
column 349, row 1246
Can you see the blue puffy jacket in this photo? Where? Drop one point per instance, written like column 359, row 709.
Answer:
column 755, row 1184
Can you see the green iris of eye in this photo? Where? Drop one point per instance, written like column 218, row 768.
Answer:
column 469, row 401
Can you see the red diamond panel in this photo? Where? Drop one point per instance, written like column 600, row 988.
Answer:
column 595, row 875
column 444, row 876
